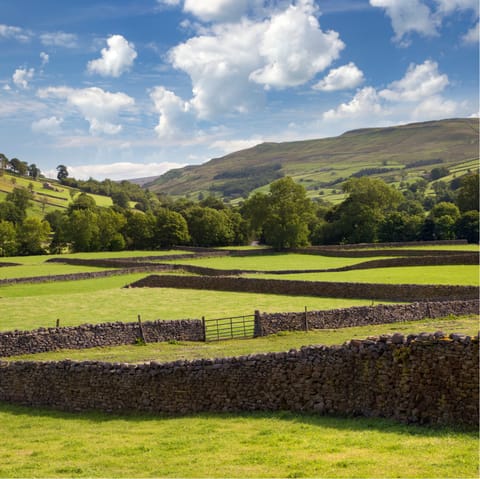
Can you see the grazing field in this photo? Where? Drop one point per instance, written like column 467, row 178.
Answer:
column 30, row 306
column 283, row 341
column 43, row 443
column 274, row 262
column 47, row 269
column 451, row 274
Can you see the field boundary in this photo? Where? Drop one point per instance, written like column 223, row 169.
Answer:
column 15, row 343
column 378, row 377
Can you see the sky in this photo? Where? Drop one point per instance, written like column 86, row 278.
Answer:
column 125, row 89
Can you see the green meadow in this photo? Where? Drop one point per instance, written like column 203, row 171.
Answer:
column 46, row 443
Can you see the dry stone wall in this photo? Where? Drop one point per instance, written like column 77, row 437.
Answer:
column 385, row 292
column 422, row 379
column 15, row 343
column 271, row 323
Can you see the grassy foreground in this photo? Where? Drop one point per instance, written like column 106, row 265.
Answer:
column 43, row 443
column 283, row 341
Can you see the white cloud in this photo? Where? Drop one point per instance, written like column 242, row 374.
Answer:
column 116, row 59
column 100, row 108
column 117, row 171
column 48, row 126
column 473, row 35
column 408, row 16
column 365, row 103
column 218, row 10
column 45, row 58
column 22, row 76
column 419, row 82
column 342, row 78
column 59, row 39
column 225, row 63
column 17, row 33
column 176, row 119
column 435, row 107
column 169, row 2
column 294, row 48
column 449, row 6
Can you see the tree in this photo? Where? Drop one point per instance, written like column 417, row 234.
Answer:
column 34, row 171
column 208, row 227
column 467, row 226
column 468, row 194
column 83, row 202
column 20, row 198
column 283, row 216
column 121, row 199
column 3, row 163
column 62, row 173
column 19, row 167
column 32, row 236
column 171, row 229
column 8, row 238
column 139, row 230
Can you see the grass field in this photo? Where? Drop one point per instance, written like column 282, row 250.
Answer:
column 30, row 306
column 43, row 443
column 283, row 341
column 454, row 275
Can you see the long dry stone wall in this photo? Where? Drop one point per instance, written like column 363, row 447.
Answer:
column 423, row 379
column 386, row 292
column 272, row 323
column 15, row 343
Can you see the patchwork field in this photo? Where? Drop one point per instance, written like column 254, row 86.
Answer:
column 44, row 443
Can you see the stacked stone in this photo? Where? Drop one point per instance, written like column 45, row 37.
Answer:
column 426, row 378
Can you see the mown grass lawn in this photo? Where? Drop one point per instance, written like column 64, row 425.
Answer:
column 283, row 341
column 43, row 443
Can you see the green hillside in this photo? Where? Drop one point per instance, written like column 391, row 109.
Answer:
column 396, row 154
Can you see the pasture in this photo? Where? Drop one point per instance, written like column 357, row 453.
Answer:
column 45, row 443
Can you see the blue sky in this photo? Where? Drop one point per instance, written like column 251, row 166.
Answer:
column 132, row 88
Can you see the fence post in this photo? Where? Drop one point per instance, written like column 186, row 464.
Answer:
column 306, row 319
column 204, row 330
column 58, row 323
column 142, row 333
column 257, row 325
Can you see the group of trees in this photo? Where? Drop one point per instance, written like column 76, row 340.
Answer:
column 285, row 217
column 16, row 166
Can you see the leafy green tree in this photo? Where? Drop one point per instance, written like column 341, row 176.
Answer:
column 171, row 229
column 83, row 202
column 109, row 224
column 208, row 227
column 20, row 197
column 467, row 226
column 399, row 226
column 8, row 238
column 283, row 215
column 33, row 236
column 82, row 230
column 468, row 194
column 445, row 208
column 62, row 173
column 18, row 166
column 33, row 171
column 121, row 199
column 139, row 230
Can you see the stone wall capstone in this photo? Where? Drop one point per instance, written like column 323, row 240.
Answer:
column 426, row 378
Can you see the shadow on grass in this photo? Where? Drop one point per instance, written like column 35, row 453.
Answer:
column 340, row 423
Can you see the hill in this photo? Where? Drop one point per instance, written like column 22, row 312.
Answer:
column 396, row 154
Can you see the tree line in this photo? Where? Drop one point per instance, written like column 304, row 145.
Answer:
column 283, row 218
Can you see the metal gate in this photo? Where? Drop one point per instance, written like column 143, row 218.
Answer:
column 235, row 327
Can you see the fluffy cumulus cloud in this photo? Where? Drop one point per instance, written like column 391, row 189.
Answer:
column 343, row 78
column 59, row 39
column 294, row 49
column 100, row 108
column 22, row 76
column 48, row 126
column 416, row 96
column 45, row 58
column 449, row 6
column 365, row 103
column 116, row 59
column 217, row 10
column 225, row 63
column 16, row 33
column 420, row 81
column 408, row 16
column 176, row 119
column 473, row 35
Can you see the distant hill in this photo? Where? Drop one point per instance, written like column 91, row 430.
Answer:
column 396, row 154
